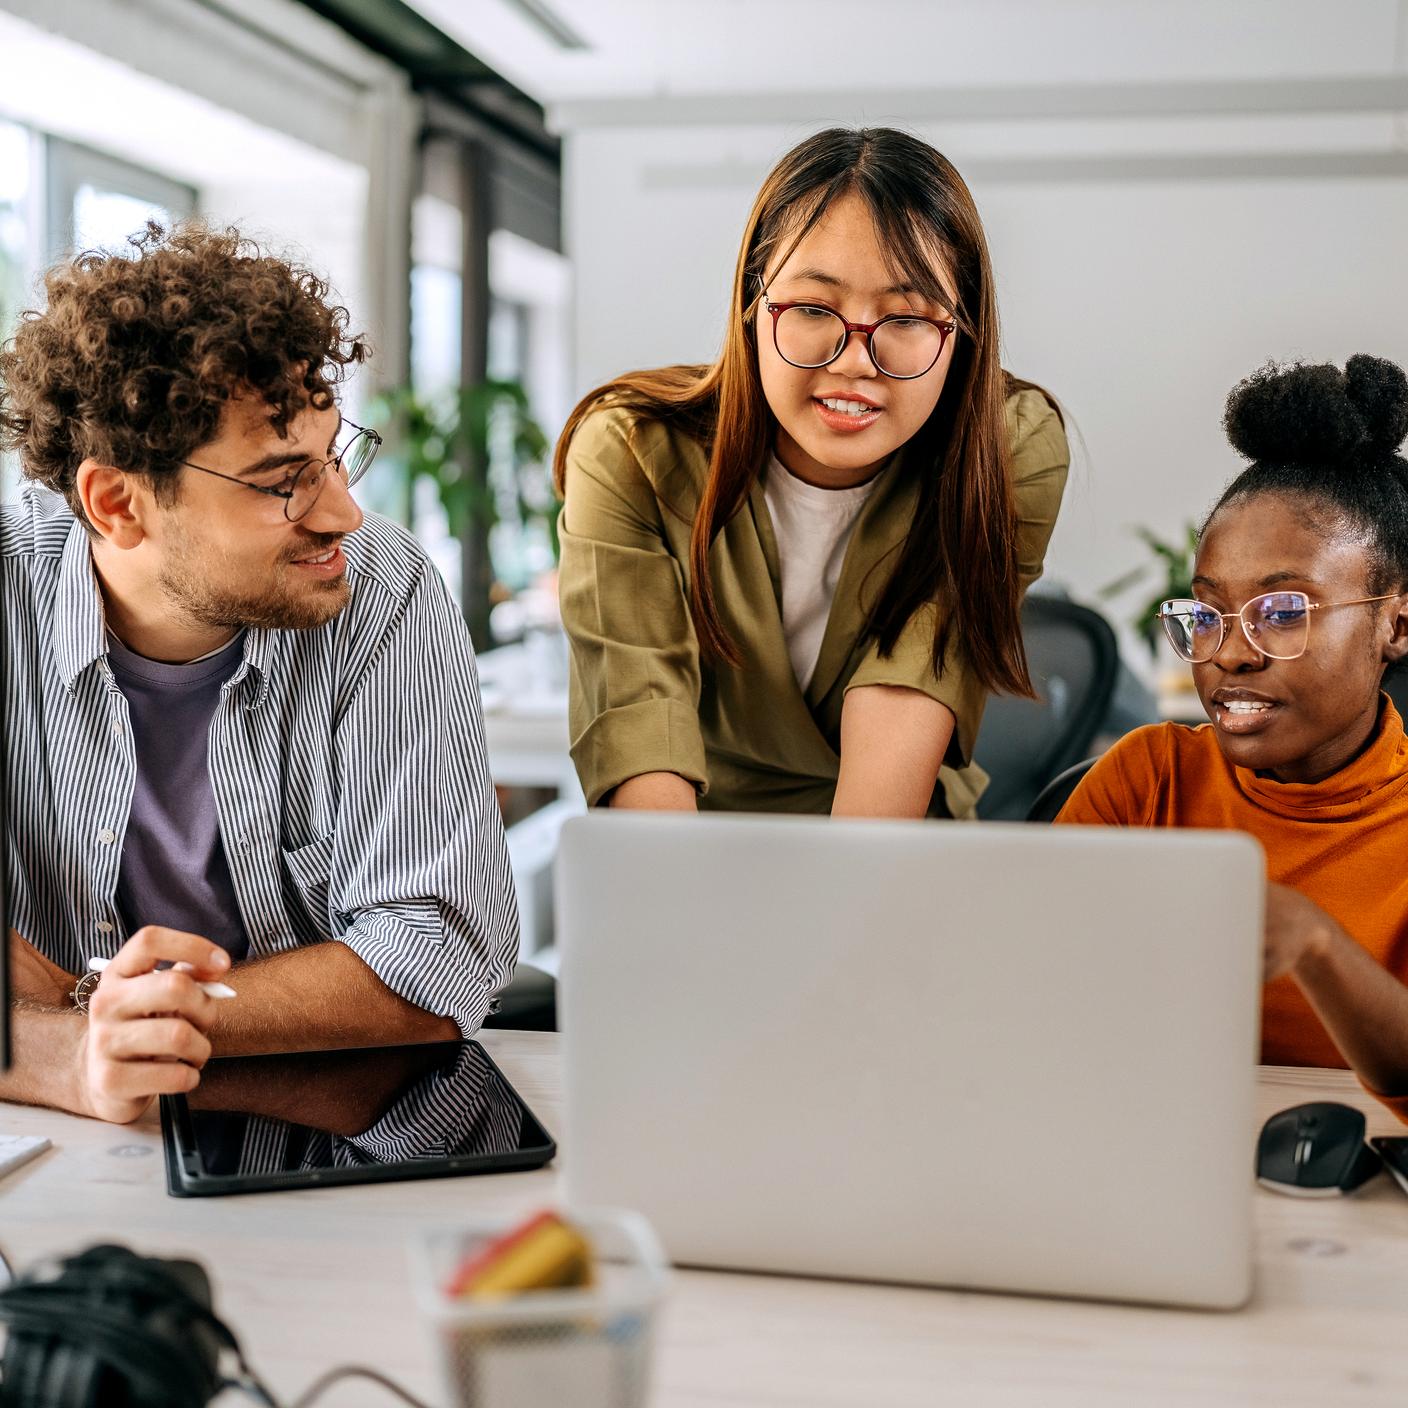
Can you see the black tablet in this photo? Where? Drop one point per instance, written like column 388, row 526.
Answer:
column 258, row 1123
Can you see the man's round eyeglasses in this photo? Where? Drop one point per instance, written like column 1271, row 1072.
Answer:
column 304, row 482
column 1277, row 624
column 902, row 346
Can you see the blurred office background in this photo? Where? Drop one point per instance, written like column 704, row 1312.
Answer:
column 531, row 195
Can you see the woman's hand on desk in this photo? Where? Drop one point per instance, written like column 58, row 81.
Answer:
column 146, row 1032
column 1295, row 928
column 1361, row 1004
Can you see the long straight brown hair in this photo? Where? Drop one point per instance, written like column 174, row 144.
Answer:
column 961, row 549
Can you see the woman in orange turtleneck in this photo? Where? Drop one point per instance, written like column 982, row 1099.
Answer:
column 1301, row 586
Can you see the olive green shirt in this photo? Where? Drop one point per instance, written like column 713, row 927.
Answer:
column 749, row 738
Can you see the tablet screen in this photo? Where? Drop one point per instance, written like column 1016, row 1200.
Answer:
column 260, row 1123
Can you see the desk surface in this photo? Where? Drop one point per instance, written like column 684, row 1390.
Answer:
column 319, row 1277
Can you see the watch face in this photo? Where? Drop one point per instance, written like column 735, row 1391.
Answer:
column 82, row 990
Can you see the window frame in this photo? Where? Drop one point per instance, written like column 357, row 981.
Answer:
column 69, row 165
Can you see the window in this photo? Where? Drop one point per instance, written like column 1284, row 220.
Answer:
column 20, row 243
column 528, row 340
column 96, row 201
column 56, row 196
column 18, row 237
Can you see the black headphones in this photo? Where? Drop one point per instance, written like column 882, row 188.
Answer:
column 107, row 1328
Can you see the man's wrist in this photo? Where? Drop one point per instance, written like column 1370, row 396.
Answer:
column 53, row 1057
column 37, row 980
column 78, row 1100
column 82, row 991
column 62, row 991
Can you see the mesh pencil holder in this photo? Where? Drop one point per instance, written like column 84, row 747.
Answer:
column 590, row 1348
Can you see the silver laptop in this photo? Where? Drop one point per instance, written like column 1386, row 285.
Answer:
column 1013, row 1057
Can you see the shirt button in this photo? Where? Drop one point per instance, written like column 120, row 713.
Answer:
column 117, row 729
column 245, row 843
column 104, row 927
column 107, row 836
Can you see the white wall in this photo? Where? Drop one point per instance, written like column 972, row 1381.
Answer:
column 1142, row 305
column 1139, row 302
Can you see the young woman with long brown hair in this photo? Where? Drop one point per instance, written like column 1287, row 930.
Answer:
column 791, row 578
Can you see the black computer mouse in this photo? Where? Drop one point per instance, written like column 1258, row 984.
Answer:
column 1315, row 1151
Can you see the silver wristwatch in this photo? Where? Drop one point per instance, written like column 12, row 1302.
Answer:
column 83, row 990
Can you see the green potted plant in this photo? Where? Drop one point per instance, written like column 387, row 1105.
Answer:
column 1172, row 572
column 472, row 444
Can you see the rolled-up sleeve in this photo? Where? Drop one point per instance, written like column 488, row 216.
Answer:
column 634, row 694
column 420, row 886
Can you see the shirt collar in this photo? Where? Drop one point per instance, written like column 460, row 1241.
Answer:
column 258, row 650
column 80, row 634
column 78, row 637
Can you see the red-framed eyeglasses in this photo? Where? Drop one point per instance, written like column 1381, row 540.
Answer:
column 902, row 346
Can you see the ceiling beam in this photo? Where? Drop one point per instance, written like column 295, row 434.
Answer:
column 437, row 63
column 1099, row 168
column 1014, row 103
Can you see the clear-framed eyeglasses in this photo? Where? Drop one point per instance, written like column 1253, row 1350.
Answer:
column 1276, row 623
column 304, row 482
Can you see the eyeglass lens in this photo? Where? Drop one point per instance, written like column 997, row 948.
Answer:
column 1277, row 624
column 901, row 347
column 353, row 462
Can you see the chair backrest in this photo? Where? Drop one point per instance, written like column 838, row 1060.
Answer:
column 1024, row 743
column 1396, row 686
column 1058, row 791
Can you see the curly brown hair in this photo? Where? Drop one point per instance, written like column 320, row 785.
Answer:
column 134, row 358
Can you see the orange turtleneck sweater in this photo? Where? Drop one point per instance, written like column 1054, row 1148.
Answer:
column 1340, row 842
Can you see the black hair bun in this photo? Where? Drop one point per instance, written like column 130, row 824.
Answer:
column 1319, row 415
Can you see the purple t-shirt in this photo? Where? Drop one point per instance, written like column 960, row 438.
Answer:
column 173, row 869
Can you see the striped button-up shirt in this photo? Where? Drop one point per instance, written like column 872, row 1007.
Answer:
column 347, row 763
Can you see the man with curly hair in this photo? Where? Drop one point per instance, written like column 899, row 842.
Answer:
column 242, row 719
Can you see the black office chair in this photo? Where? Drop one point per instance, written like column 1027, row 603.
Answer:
column 1058, row 791
column 1396, row 686
column 1025, row 743
column 527, row 1003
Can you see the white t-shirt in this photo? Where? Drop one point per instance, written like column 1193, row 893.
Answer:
column 812, row 527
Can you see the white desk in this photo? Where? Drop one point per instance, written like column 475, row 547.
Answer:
column 525, row 720
column 524, row 693
column 316, row 1278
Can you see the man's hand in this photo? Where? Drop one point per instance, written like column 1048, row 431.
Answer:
column 146, row 1033
column 34, row 978
column 1296, row 929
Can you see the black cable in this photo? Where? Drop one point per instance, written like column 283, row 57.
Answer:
column 249, row 1382
column 354, row 1371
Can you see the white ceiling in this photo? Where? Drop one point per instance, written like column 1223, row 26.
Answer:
column 693, row 48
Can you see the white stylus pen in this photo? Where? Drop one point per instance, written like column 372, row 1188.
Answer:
column 96, row 965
